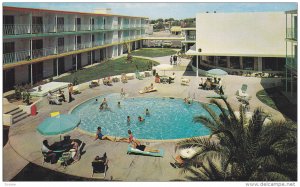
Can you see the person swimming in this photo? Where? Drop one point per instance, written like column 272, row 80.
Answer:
column 147, row 112
column 141, row 119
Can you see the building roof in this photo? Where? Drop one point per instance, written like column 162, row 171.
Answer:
column 260, row 34
column 176, row 29
column 11, row 8
column 291, row 12
column 189, row 28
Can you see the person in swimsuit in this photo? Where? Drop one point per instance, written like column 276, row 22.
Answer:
column 100, row 136
column 130, row 139
column 137, row 145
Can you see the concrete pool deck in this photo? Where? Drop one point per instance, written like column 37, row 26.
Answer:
column 26, row 141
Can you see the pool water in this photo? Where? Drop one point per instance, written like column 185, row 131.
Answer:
column 169, row 118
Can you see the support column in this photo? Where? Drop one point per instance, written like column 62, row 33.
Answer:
column 291, row 83
column 55, row 22
column 30, row 22
column 241, row 63
column 197, row 65
column 31, row 77
column 91, row 57
column 57, row 67
column 228, row 62
column 259, row 64
column 76, row 61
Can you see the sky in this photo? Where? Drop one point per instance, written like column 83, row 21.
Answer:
column 155, row 10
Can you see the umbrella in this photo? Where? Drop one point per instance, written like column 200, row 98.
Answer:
column 58, row 125
column 163, row 67
column 216, row 72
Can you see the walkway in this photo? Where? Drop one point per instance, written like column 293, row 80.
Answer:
column 24, row 138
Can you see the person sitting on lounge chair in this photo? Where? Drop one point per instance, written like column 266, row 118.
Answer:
column 183, row 155
column 49, row 153
column 171, row 78
column 61, row 95
column 124, row 78
column 157, row 78
column 137, row 145
column 52, row 99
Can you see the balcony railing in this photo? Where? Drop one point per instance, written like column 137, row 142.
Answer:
column 191, row 38
column 18, row 56
column 17, row 29
column 291, row 33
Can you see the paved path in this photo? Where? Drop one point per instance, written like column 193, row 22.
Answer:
column 26, row 141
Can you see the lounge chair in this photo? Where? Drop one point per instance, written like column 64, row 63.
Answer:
column 217, row 96
column 124, row 78
column 185, row 81
column 138, row 76
column 147, row 91
column 137, row 151
column 53, row 101
column 100, row 165
column 94, row 83
column 76, row 90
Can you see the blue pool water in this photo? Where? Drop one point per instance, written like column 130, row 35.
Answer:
column 169, row 118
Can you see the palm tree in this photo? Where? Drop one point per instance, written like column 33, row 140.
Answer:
column 241, row 149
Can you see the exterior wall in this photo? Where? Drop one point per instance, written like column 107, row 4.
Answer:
column 48, row 68
column 21, row 77
column 241, row 34
column 68, row 63
column 84, row 59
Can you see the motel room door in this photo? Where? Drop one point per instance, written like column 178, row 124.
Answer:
column 37, row 72
column 8, row 75
column 8, row 79
column 8, row 23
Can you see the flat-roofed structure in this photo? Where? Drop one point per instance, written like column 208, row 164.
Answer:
column 41, row 43
column 252, row 41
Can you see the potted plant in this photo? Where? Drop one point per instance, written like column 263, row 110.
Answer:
column 18, row 92
column 26, row 97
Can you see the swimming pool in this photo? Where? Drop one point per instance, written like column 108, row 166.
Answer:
column 169, row 118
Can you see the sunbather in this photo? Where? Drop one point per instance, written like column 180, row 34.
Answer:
column 137, row 145
column 100, row 136
column 130, row 138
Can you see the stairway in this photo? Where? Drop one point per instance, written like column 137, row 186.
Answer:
column 17, row 114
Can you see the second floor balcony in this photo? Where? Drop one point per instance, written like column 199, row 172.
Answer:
column 291, row 33
column 291, row 62
column 19, row 29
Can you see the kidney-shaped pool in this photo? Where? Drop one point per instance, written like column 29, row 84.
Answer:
column 169, row 118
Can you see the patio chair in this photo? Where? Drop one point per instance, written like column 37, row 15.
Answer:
column 138, row 76
column 244, row 88
column 100, row 165
column 185, row 81
column 65, row 159
column 124, row 78
column 94, row 83
column 53, row 101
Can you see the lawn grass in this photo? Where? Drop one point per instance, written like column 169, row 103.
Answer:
column 109, row 68
column 154, row 52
